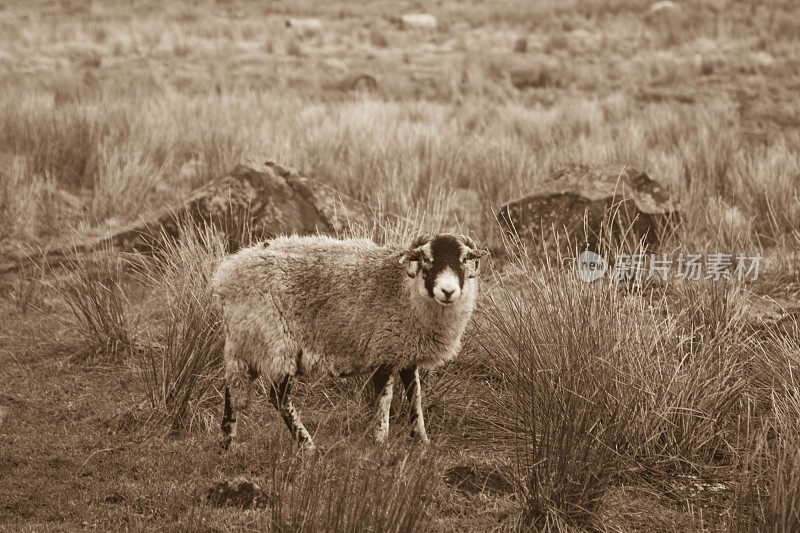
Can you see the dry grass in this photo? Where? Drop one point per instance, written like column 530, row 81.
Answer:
column 771, row 461
column 100, row 309
column 352, row 493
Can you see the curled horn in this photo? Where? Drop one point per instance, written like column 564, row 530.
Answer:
column 468, row 241
column 420, row 240
column 474, row 253
column 414, row 253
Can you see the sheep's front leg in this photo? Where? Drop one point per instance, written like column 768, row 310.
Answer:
column 410, row 377
column 383, row 382
column 279, row 395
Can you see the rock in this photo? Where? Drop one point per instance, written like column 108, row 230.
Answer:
column 261, row 200
column 665, row 15
column 305, row 25
column 625, row 197
column 543, row 71
column 358, row 83
column 237, row 493
column 664, row 6
column 418, row 21
column 335, row 63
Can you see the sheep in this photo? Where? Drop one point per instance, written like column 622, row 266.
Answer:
column 295, row 304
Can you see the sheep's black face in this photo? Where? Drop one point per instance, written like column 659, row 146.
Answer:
column 442, row 265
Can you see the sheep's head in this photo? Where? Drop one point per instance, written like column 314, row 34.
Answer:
column 443, row 266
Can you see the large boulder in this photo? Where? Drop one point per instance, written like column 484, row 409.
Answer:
column 252, row 199
column 592, row 206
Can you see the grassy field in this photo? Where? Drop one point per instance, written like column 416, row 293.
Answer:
column 573, row 407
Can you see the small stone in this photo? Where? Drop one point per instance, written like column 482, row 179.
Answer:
column 305, row 25
column 663, row 6
column 237, row 492
column 418, row 21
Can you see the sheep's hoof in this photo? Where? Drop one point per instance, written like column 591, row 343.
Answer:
column 308, row 451
column 381, row 435
column 421, row 439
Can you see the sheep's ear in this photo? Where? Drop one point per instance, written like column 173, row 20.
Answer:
column 473, row 267
column 412, row 269
column 415, row 255
column 412, row 258
column 473, row 253
column 473, row 257
column 467, row 241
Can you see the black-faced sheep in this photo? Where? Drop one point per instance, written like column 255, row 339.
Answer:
column 347, row 306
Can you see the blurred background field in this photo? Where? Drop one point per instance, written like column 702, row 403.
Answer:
column 109, row 110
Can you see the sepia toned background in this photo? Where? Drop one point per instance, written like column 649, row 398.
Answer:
column 573, row 406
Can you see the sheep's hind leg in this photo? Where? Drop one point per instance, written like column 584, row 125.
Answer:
column 410, row 377
column 279, row 395
column 383, row 382
column 238, row 389
column 228, row 420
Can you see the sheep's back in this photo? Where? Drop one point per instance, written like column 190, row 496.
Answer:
column 330, row 295
column 333, row 298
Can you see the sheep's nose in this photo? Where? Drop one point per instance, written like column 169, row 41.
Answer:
column 448, row 294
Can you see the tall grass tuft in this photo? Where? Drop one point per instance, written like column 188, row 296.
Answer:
column 180, row 368
column 100, row 310
column 784, row 503
column 772, row 456
column 353, row 493
column 693, row 380
column 607, row 380
column 567, row 346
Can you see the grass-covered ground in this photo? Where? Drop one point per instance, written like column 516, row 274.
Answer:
column 573, row 406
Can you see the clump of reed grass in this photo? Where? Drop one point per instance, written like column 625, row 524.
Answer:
column 182, row 364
